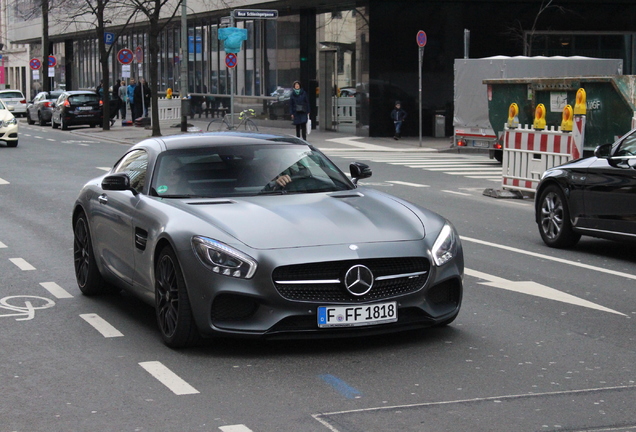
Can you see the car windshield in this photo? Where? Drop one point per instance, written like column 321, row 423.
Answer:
column 83, row 98
column 245, row 171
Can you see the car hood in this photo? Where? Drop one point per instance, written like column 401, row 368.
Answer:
column 286, row 221
column 5, row 115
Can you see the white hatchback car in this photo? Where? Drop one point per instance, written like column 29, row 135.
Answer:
column 16, row 99
column 8, row 126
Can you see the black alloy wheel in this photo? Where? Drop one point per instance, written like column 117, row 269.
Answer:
column 555, row 226
column 173, row 310
column 89, row 279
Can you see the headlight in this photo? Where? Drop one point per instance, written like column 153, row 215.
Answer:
column 445, row 247
column 223, row 259
column 7, row 123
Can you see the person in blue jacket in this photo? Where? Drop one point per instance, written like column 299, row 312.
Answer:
column 131, row 98
column 299, row 106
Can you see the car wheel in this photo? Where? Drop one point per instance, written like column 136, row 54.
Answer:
column 53, row 124
column 554, row 219
column 63, row 124
column 29, row 121
column 89, row 279
column 174, row 313
column 498, row 155
column 40, row 120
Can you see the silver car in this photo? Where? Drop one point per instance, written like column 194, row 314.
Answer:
column 262, row 236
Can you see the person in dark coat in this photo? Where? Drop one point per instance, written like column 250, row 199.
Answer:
column 299, row 106
column 398, row 115
column 141, row 108
column 117, row 98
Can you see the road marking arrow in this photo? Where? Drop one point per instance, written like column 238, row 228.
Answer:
column 535, row 289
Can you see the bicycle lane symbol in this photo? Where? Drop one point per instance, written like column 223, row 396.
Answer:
column 26, row 312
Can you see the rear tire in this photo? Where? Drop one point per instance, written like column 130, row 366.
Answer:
column 53, row 124
column 554, row 223
column 172, row 304
column 29, row 121
column 89, row 279
column 251, row 126
column 63, row 124
column 40, row 120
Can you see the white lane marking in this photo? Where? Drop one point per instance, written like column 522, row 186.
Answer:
column 56, row 290
column 484, row 177
column 351, row 142
column 2, row 245
column 473, row 173
column 22, row 264
column 318, row 417
column 103, row 168
column 3, row 181
column 101, row 325
column 168, row 378
column 547, row 257
column 537, row 290
column 407, row 183
column 456, row 193
column 235, row 428
column 460, row 168
column 50, row 139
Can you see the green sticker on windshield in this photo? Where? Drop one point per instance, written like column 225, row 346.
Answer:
column 162, row 189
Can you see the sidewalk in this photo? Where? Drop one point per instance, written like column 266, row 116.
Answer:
column 321, row 139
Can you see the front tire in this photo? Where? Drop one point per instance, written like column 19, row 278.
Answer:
column 89, row 279
column 554, row 223
column 63, row 124
column 28, row 118
column 173, row 310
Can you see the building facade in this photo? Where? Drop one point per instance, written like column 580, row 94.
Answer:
column 364, row 49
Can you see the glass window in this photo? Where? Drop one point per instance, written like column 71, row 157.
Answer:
column 135, row 164
column 628, row 146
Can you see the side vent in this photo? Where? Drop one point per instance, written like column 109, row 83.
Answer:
column 141, row 238
column 213, row 202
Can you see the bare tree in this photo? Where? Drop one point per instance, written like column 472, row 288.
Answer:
column 519, row 33
column 153, row 11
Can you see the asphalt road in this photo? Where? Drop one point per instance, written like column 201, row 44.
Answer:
column 544, row 341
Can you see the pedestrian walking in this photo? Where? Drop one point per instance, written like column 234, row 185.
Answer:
column 398, row 115
column 123, row 95
column 117, row 98
column 299, row 107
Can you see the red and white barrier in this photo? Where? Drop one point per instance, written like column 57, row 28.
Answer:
column 527, row 153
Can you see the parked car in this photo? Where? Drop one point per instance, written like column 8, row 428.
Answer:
column 41, row 107
column 280, row 108
column 8, row 126
column 77, row 107
column 16, row 99
column 262, row 236
column 595, row 196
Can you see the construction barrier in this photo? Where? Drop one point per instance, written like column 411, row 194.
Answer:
column 344, row 111
column 529, row 150
column 169, row 109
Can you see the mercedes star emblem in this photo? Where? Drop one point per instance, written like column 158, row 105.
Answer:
column 358, row 280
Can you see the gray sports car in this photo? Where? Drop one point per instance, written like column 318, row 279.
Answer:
column 262, row 235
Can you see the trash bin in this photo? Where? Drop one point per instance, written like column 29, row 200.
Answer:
column 439, row 126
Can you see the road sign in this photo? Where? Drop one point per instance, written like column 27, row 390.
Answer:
column 230, row 60
column 255, row 13
column 52, row 61
column 421, row 39
column 139, row 54
column 109, row 38
column 35, row 64
column 125, row 56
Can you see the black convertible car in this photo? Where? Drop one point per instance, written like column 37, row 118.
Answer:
column 263, row 236
column 595, row 196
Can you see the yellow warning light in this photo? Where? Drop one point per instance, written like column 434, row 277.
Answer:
column 513, row 115
column 566, row 122
column 539, row 117
column 580, row 108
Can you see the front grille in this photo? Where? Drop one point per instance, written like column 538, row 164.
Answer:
column 335, row 292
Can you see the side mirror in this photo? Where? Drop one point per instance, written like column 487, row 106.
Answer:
column 603, row 151
column 118, row 182
column 359, row 171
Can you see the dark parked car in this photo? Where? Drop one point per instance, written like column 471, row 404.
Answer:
column 41, row 107
column 262, row 236
column 77, row 107
column 595, row 196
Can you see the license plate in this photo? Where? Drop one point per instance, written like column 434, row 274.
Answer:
column 352, row 316
column 480, row 143
column 85, row 108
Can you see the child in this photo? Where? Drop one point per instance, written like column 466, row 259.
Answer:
column 398, row 115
